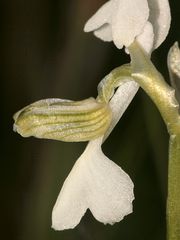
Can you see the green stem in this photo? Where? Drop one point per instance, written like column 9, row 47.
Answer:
column 144, row 72
column 173, row 203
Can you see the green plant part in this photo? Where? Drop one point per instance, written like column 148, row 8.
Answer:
column 144, row 72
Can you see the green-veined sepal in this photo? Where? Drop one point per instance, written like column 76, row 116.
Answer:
column 65, row 120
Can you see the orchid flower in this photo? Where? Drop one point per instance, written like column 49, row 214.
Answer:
column 123, row 21
column 95, row 182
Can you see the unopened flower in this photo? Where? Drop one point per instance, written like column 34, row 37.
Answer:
column 123, row 21
column 174, row 68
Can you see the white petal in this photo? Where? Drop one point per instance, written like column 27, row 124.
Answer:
column 71, row 203
column 97, row 183
column 111, row 189
column 146, row 39
column 99, row 18
column 120, row 101
column 128, row 21
column 160, row 17
column 104, row 33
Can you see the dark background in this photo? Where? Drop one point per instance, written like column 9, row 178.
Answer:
column 45, row 53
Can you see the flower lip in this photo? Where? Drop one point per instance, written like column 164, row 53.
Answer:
column 87, row 186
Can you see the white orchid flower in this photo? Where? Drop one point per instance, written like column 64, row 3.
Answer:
column 123, row 21
column 95, row 182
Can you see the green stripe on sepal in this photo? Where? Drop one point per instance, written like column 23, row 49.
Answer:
column 63, row 120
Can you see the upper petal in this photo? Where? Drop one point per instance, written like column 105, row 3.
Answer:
column 100, row 17
column 128, row 21
column 95, row 182
column 104, row 32
column 146, row 38
column 160, row 17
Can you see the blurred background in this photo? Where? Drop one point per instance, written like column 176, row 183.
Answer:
column 45, row 53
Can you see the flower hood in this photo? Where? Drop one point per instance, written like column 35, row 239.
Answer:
column 123, row 21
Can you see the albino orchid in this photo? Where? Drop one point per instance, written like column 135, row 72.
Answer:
column 95, row 182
